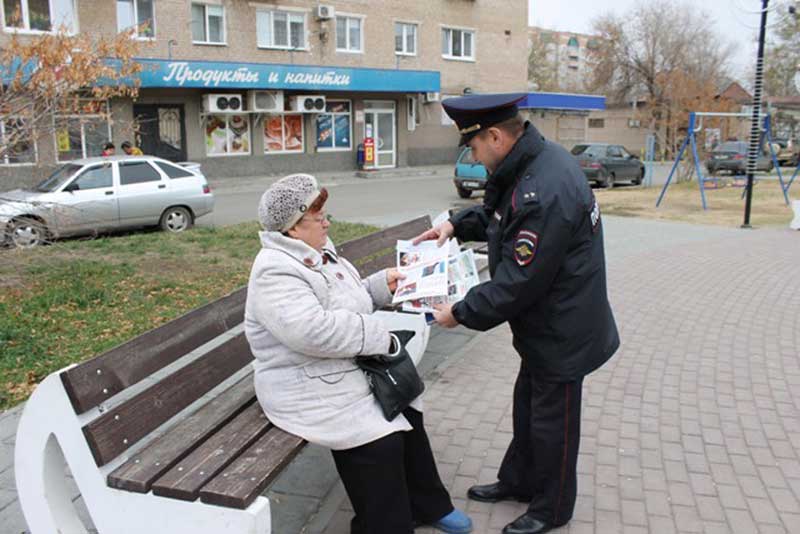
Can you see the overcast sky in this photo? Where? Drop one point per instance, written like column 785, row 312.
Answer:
column 735, row 20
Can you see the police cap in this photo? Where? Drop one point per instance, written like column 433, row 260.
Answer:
column 474, row 113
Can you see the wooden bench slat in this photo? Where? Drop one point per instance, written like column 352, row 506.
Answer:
column 186, row 478
column 112, row 433
column 96, row 380
column 138, row 473
column 246, row 478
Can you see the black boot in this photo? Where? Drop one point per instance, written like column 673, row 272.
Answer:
column 495, row 492
column 527, row 524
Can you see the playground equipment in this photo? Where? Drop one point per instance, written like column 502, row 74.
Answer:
column 691, row 140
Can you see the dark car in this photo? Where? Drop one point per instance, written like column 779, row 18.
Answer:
column 607, row 164
column 470, row 175
column 732, row 156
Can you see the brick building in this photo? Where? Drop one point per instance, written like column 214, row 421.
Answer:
column 250, row 87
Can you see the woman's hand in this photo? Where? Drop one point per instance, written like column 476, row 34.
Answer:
column 392, row 277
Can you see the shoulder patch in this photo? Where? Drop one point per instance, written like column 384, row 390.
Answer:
column 525, row 245
column 594, row 215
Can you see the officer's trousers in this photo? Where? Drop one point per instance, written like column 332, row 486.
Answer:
column 393, row 482
column 541, row 460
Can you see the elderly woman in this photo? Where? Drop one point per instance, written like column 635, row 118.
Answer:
column 308, row 315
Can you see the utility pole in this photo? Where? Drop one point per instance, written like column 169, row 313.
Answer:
column 755, row 124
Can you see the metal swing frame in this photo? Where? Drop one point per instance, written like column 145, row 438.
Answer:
column 691, row 139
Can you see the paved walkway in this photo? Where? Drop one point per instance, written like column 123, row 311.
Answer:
column 694, row 426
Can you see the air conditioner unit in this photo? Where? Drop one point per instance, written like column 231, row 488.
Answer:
column 325, row 12
column 308, row 103
column 265, row 101
column 431, row 96
column 222, row 103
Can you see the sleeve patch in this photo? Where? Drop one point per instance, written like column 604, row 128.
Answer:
column 525, row 246
column 595, row 216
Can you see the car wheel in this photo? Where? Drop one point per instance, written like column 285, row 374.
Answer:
column 606, row 179
column 27, row 233
column 464, row 193
column 176, row 219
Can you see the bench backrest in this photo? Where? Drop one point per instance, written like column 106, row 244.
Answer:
column 93, row 382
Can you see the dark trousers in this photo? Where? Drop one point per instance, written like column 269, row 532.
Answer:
column 542, row 457
column 393, row 482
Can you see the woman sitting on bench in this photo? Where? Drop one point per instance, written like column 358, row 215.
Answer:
column 308, row 314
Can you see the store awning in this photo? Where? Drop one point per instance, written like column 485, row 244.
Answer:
column 563, row 101
column 229, row 75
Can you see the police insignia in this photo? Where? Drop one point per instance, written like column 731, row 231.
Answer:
column 525, row 246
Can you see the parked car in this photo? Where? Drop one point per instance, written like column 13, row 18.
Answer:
column 732, row 156
column 469, row 174
column 787, row 151
column 94, row 195
column 607, row 164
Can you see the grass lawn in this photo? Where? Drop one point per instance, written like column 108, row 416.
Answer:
column 682, row 203
column 70, row 301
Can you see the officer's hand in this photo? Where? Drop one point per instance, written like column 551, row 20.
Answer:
column 440, row 233
column 392, row 277
column 444, row 316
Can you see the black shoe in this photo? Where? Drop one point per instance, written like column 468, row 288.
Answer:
column 527, row 524
column 495, row 492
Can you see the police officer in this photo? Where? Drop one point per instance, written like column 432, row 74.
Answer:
column 548, row 280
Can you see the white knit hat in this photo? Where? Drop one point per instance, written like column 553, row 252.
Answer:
column 285, row 202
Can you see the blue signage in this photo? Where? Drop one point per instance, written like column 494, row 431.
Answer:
column 563, row 101
column 225, row 75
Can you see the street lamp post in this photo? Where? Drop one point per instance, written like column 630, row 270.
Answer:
column 755, row 124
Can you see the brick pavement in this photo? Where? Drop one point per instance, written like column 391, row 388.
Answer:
column 694, row 426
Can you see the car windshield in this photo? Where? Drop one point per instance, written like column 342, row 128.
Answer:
column 58, row 178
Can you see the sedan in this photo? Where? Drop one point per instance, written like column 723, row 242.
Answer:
column 470, row 175
column 732, row 156
column 95, row 195
column 607, row 164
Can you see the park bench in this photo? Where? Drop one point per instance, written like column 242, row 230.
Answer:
column 163, row 433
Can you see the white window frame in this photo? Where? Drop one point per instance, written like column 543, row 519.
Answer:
column 449, row 54
column 288, row 12
column 333, row 115
column 405, row 25
column 283, row 133
column 206, row 5
column 227, row 140
column 4, row 160
column 411, row 113
column 107, row 118
column 26, row 26
column 136, row 22
column 348, row 17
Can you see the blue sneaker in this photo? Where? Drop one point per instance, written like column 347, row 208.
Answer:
column 456, row 522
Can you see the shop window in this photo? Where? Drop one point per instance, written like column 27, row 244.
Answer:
column 405, row 39
column 227, row 135
column 139, row 15
column 283, row 133
column 597, row 123
column 39, row 15
column 349, row 34
column 281, row 29
column 458, row 44
column 81, row 136
column 20, row 148
column 208, row 24
column 334, row 127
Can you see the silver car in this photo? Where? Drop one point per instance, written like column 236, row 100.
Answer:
column 95, row 195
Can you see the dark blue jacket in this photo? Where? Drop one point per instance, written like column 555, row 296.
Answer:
column 546, row 259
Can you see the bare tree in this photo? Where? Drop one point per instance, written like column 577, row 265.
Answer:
column 783, row 54
column 542, row 69
column 664, row 53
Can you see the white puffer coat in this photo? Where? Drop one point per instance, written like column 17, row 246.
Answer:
column 306, row 320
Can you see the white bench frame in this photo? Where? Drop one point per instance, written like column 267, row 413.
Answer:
column 49, row 426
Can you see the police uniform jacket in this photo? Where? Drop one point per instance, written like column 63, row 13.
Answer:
column 546, row 259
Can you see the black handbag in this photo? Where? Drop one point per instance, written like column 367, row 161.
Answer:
column 393, row 378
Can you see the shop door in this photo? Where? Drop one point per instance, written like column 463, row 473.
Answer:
column 379, row 123
column 160, row 131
